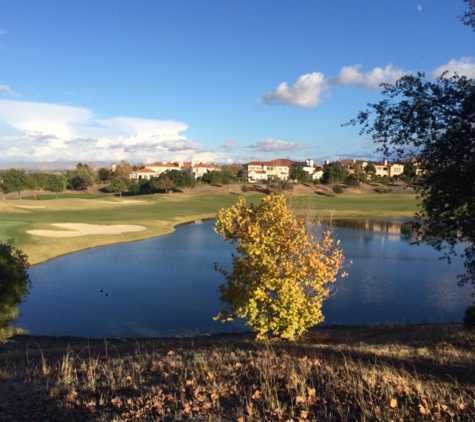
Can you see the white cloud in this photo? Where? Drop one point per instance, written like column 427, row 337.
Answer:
column 419, row 7
column 7, row 90
column 229, row 144
column 306, row 92
column 51, row 132
column 464, row 67
column 2, row 32
column 372, row 79
column 275, row 145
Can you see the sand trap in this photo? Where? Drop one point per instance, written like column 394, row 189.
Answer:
column 81, row 229
column 29, row 206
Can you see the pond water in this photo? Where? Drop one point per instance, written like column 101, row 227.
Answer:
column 167, row 286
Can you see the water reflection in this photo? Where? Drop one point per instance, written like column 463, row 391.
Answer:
column 392, row 226
column 167, row 285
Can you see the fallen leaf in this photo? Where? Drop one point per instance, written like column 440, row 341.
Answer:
column 249, row 409
column 393, row 403
column 423, row 410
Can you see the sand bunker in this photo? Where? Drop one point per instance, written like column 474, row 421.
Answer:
column 29, row 206
column 81, row 229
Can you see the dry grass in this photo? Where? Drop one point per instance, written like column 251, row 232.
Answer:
column 402, row 373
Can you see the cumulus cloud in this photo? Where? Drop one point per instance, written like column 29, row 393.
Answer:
column 306, row 92
column 5, row 89
column 371, row 80
column 50, row 132
column 309, row 89
column 463, row 67
column 275, row 145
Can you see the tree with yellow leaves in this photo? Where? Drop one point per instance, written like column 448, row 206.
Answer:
column 281, row 273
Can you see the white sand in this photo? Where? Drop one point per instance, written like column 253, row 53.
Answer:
column 81, row 229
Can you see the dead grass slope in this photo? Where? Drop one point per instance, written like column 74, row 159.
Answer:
column 400, row 373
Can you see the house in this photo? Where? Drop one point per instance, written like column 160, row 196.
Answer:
column 385, row 169
column 350, row 165
column 415, row 162
column 278, row 169
column 314, row 172
column 156, row 169
column 197, row 170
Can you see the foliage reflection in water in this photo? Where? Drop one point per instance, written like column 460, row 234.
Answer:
column 167, row 286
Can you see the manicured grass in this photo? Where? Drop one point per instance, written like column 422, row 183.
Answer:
column 159, row 214
column 349, row 206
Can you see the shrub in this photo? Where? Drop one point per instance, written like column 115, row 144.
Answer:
column 469, row 319
column 382, row 190
column 338, row 189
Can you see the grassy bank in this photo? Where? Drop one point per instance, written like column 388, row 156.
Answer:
column 399, row 373
column 159, row 214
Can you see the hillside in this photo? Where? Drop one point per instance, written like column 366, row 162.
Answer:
column 409, row 373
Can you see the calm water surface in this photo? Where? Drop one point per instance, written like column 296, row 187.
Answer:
column 167, row 285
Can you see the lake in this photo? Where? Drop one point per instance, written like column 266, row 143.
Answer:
column 167, row 286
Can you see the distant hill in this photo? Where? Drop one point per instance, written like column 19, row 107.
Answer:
column 50, row 165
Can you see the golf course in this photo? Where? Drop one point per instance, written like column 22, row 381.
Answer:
column 45, row 227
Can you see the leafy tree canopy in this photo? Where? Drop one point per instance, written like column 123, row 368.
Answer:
column 334, row 173
column 181, row 179
column 14, row 285
column 218, row 177
column 281, row 274
column 433, row 120
column 83, row 177
column 14, row 180
column 118, row 185
column 370, row 168
column 55, row 183
column 162, row 183
column 103, row 174
column 298, row 173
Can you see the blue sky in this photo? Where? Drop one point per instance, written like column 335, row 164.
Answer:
column 210, row 80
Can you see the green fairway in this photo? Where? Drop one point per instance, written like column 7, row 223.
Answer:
column 159, row 214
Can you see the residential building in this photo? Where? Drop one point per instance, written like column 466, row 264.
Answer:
column 156, row 169
column 386, row 169
column 197, row 170
column 257, row 171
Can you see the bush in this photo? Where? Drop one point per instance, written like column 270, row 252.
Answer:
column 469, row 319
column 14, row 285
column 338, row 189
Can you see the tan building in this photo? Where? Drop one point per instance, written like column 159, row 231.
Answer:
column 197, row 170
column 386, row 169
column 278, row 169
column 154, row 170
